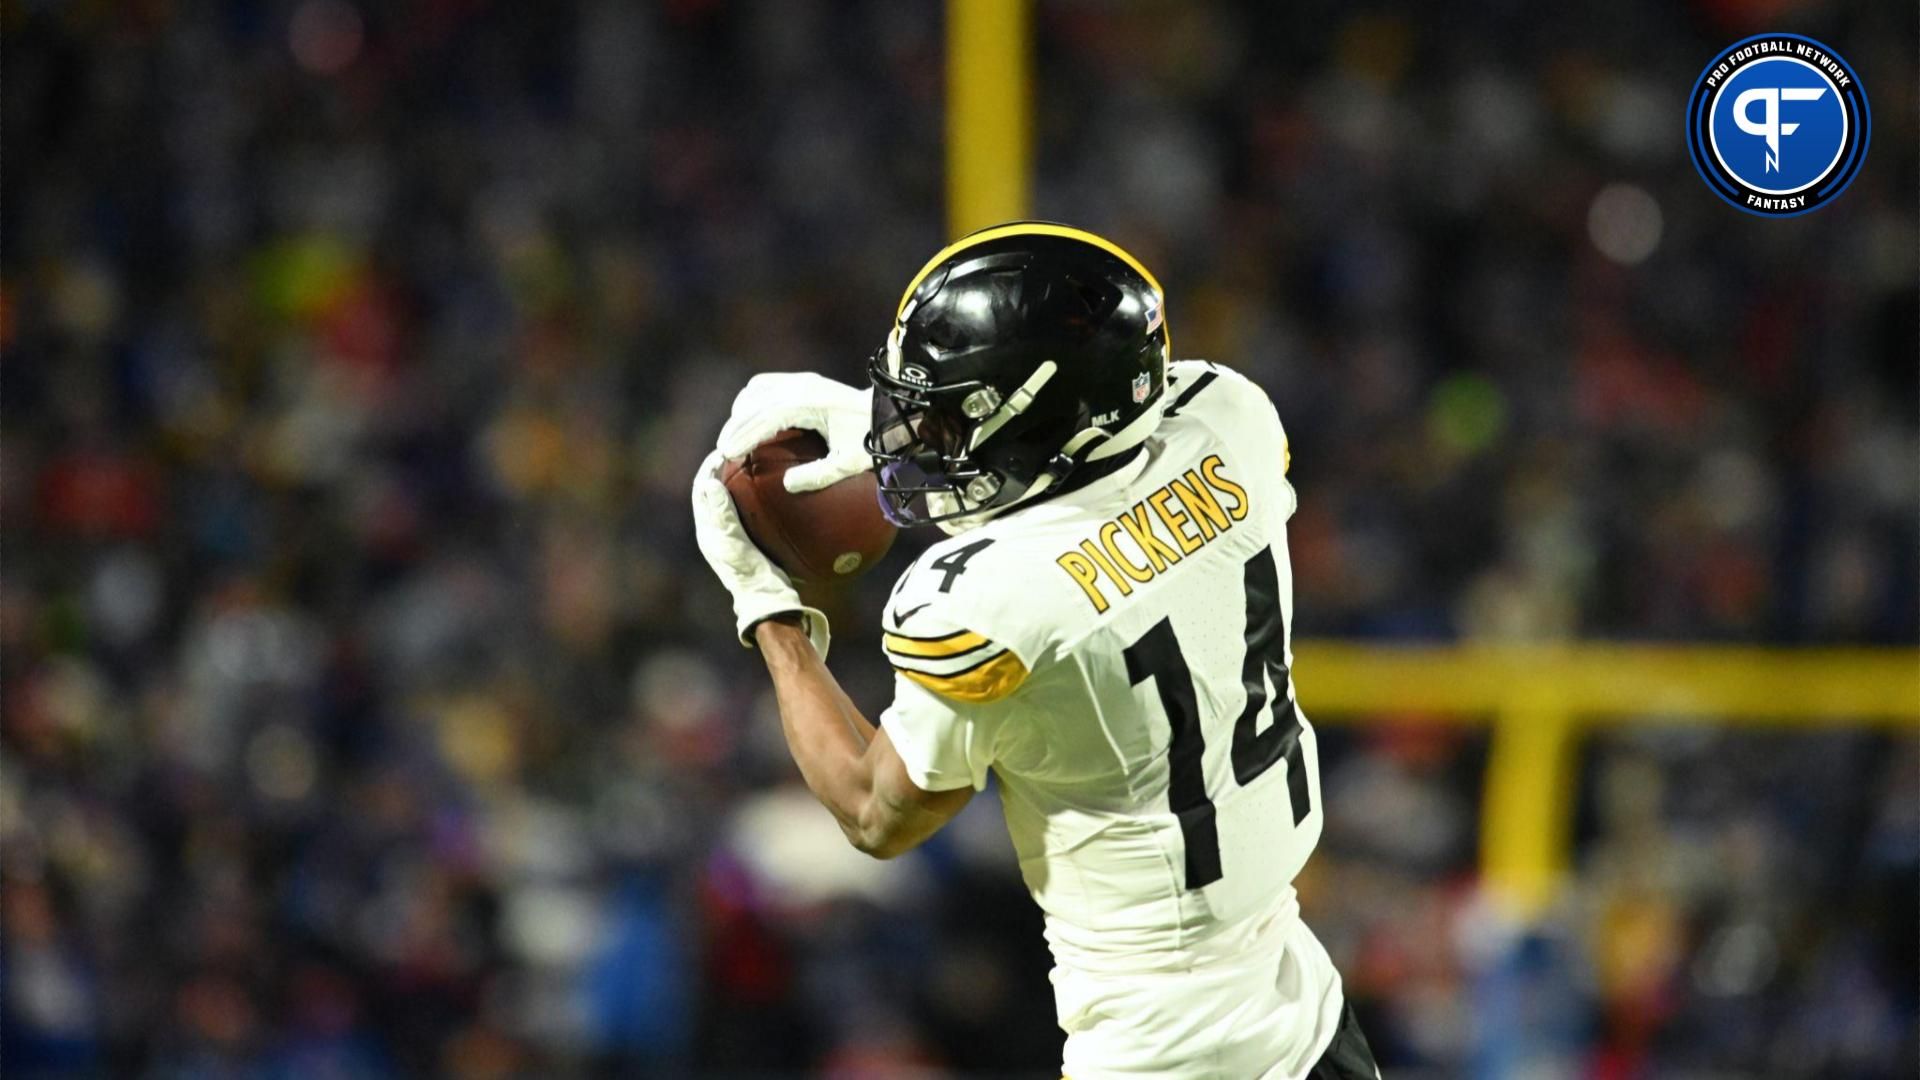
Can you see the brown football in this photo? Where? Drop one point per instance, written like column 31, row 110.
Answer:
column 819, row 537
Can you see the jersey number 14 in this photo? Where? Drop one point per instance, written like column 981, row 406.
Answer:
column 1157, row 656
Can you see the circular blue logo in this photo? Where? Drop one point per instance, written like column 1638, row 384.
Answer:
column 1778, row 125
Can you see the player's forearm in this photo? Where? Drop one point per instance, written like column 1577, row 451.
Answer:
column 825, row 732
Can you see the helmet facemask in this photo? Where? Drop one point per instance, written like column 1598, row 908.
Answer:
column 933, row 451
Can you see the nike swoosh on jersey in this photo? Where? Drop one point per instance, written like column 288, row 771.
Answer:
column 901, row 617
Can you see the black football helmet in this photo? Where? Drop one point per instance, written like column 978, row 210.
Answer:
column 1020, row 354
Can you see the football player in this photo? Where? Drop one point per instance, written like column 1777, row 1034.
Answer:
column 1105, row 628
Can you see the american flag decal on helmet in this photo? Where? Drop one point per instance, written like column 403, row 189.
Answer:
column 1142, row 386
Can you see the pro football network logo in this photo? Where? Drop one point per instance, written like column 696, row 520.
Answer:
column 1778, row 125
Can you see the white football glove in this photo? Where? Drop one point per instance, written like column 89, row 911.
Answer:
column 771, row 403
column 760, row 589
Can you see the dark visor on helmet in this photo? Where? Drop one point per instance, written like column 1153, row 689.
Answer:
column 918, row 443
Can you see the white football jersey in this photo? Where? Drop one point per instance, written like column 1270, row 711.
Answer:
column 1119, row 655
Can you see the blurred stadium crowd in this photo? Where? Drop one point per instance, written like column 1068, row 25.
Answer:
column 368, row 711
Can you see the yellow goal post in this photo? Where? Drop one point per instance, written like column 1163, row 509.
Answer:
column 1540, row 700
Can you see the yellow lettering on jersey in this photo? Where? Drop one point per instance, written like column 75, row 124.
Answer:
column 1140, row 527
column 990, row 681
column 1081, row 570
column 1125, row 586
column 1194, row 521
column 1174, row 520
column 1108, row 533
column 1201, row 505
column 1212, row 468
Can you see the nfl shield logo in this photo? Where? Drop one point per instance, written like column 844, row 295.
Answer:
column 1142, row 383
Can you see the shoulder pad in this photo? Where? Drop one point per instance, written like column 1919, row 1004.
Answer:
column 948, row 626
column 1209, row 388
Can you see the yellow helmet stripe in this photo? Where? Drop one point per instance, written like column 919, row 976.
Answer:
column 1025, row 228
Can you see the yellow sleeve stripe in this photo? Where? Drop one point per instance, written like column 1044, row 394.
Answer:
column 989, row 681
column 933, row 648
